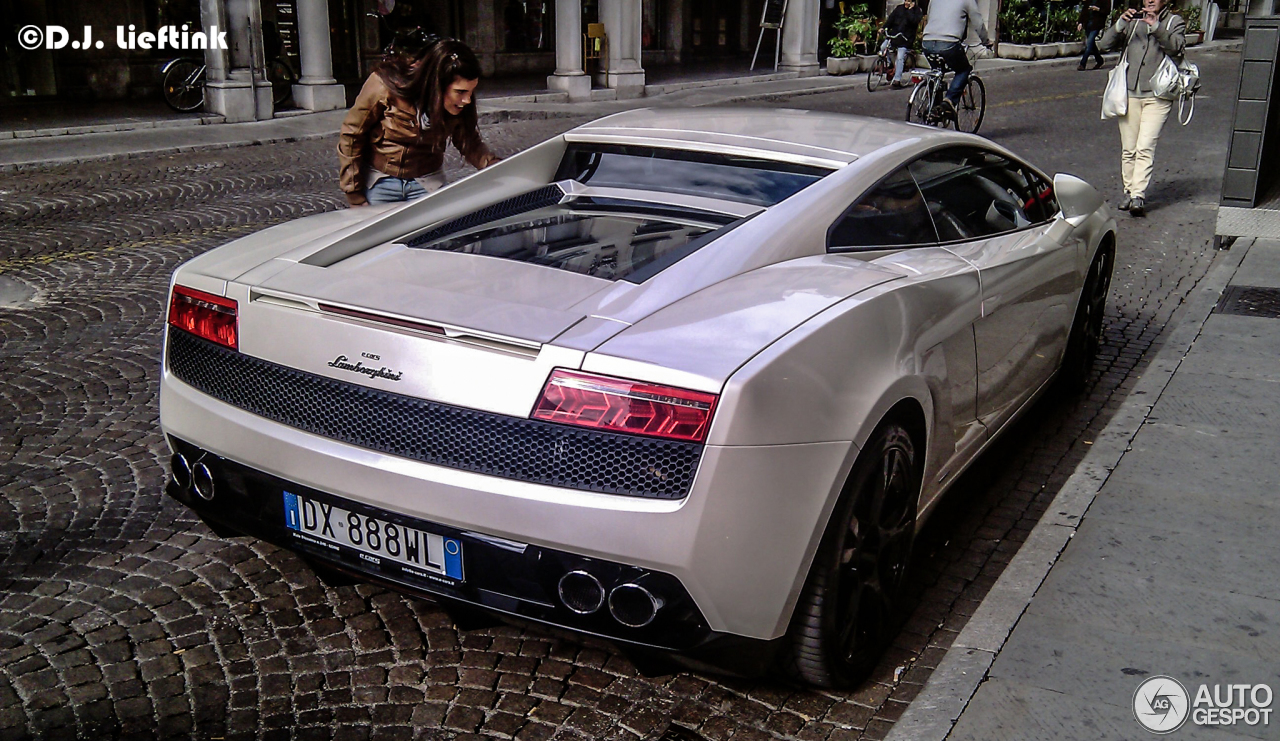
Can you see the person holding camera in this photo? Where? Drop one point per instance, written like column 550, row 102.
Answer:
column 1148, row 34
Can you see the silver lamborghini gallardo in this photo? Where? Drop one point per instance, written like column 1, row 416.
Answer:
column 689, row 380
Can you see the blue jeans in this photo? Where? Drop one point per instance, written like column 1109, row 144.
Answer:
column 952, row 52
column 1091, row 47
column 900, row 63
column 394, row 190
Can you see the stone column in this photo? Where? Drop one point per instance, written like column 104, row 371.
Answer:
column 244, row 94
column 316, row 90
column 569, row 76
column 800, row 38
column 621, row 20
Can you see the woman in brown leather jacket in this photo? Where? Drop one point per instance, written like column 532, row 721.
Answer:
column 392, row 143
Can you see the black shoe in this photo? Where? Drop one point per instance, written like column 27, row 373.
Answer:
column 896, row 85
column 1126, row 204
column 1081, row 67
column 1138, row 207
column 1096, row 65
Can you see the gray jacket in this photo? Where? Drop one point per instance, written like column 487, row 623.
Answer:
column 1148, row 46
column 951, row 20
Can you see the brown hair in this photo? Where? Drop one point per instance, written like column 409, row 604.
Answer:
column 423, row 81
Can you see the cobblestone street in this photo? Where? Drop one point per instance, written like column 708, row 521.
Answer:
column 122, row 616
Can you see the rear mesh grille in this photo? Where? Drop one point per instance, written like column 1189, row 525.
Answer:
column 483, row 442
column 545, row 196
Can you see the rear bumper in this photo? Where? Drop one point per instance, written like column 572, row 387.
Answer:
column 511, row 580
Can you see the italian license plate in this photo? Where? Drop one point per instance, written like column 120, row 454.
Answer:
column 374, row 539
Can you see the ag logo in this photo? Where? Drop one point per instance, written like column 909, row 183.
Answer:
column 1161, row 704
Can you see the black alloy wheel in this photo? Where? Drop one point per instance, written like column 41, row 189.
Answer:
column 1086, row 329
column 848, row 610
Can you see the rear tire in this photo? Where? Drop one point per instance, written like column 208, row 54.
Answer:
column 847, row 611
column 1086, row 329
column 282, row 78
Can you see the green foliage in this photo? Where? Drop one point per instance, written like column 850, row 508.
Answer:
column 1192, row 17
column 1022, row 22
column 855, row 32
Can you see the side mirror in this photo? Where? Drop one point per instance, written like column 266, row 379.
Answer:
column 1077, row 198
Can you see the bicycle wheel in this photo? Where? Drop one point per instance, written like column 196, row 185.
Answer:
column 973, row 105
column 282, row 79
column 920, row 103
column 880, row 74
column 183, row 85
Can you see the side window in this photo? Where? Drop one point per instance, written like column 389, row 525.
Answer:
column 972, row 193
column 892, row 214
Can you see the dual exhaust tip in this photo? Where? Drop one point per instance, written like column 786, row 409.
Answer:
column 631, row 604
column 197, row 477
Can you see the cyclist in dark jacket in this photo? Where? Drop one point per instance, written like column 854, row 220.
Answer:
column 900, row 32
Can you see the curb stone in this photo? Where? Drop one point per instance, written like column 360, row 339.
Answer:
column 934, row 712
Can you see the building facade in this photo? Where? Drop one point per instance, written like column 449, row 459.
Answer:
column 574, row 45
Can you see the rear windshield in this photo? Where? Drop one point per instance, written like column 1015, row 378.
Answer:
column 742, row 179
column 614, row 240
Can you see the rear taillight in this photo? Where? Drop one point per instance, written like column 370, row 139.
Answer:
column 618, row 405
column 204, row 315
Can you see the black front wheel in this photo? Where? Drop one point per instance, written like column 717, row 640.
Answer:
column 1086, row 330
column 183, row 85
column 881, row 73
column 847, row 612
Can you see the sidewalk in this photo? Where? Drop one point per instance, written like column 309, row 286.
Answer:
column 166, row 133
column 1169, row 570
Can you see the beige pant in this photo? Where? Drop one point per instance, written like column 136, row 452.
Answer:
column 1139, row 130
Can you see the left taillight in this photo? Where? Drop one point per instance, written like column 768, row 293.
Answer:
column 619, row 405
column 204, row 315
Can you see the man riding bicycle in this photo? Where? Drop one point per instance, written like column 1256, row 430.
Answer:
column 900, row 33
column 944, row 35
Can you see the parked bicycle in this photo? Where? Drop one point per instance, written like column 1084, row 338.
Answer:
column 925, row 104
column 183, row 82
column 882, row 69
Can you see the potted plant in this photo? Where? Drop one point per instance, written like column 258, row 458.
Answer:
column 853, row 47
column 1195, row 34
column 1021, row 26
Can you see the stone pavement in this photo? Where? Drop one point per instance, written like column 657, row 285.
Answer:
column 1170, row 570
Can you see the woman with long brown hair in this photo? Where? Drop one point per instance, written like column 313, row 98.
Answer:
column 392, row 143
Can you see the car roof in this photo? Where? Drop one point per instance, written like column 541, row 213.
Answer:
column 804, row 137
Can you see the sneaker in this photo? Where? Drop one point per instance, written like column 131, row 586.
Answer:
column 1126, row 204
column 944, row 111
column 897, row 85
column 1081, row 68
column 1138, row 207
column 1096, row 65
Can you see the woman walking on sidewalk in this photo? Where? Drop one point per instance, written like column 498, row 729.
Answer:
column 1093, row 18
column 1152, row 34
column 392, row 143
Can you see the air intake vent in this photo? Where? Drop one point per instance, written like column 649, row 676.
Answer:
column 466, row 439
column 548, row 195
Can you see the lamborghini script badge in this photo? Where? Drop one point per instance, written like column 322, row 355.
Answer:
column 342, row 362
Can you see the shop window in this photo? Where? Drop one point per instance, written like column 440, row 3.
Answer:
column 528, row 25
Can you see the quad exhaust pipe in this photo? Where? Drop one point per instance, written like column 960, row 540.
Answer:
column 188, row 477
column 632, row 604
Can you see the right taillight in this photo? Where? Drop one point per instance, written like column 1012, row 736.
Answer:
column 619, row 405
column 204, row 315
